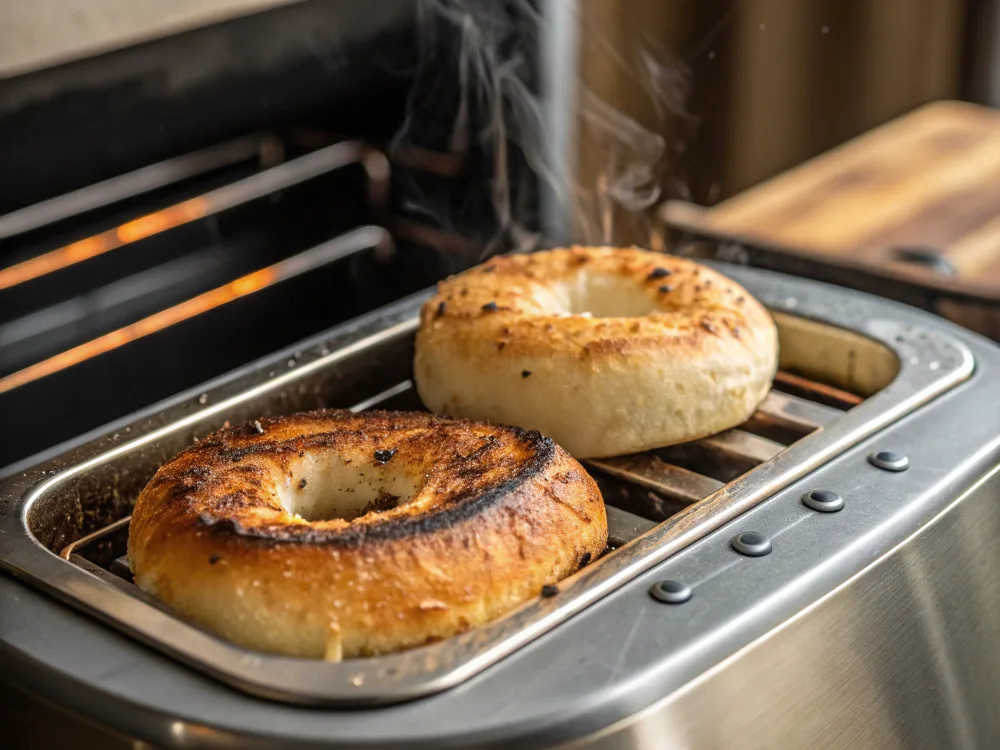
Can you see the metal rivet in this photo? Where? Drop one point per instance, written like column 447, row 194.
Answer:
column 752, row 544
column 889, row 460
column 670, row 592
column 824, row 501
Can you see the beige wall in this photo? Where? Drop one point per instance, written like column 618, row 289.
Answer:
column 38, row 33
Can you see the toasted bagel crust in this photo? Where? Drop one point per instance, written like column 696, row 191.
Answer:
column 680, row 353
column 495, row 514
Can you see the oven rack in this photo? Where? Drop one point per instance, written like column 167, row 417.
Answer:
column 92, row 277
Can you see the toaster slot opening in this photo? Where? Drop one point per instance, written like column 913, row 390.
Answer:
column 658, row 502
column 640, row 490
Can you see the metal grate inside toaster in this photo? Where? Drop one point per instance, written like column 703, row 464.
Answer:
column 234, row 251
column 846, row 372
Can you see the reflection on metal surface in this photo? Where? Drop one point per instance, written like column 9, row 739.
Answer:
column 652, row 472
column 899, row 656
column 375, row 355
column 359, row 239
column 738, row 444
column 442, row 164
column 847, row 365
column 380, row 398
column 835, row 395
column 221, row 199
column 796, row 413
column 623, row 526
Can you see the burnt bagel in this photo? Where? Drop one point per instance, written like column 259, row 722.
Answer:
column 607, row 351
column 331, row 534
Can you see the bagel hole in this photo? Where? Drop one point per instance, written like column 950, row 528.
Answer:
column 602, row 296
column 323, row 490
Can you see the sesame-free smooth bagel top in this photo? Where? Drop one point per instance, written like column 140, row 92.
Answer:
column 331, row 534
column 607, row 351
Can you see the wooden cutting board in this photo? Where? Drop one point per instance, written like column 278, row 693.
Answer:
column 918, row 197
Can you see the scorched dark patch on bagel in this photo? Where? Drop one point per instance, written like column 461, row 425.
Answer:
column 452, row 511
column 330, row 551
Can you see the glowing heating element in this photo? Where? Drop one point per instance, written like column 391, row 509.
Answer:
column 347, row 244
column 156, row 322
column 229, row 196
column 98, row 244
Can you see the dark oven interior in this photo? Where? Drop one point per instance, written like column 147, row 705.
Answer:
column 190, row 204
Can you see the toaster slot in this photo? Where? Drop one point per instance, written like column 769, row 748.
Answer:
column 830, row 393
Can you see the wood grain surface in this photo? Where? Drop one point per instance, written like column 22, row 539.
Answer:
column 929, row 179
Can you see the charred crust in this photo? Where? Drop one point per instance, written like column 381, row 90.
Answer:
column 490, row 307
column 540, row 453
column 442, row 306
column 688, row 289
column 549, row 590
column 584, row 559
column 222, row 525
column 236, row 454
column 382, row 503
column 525, row 373
column 489, row 442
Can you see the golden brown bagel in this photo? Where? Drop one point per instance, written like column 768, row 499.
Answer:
column 607, row 351
column 444, row 525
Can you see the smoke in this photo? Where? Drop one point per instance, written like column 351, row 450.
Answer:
column 636, row 162
column 477, row 93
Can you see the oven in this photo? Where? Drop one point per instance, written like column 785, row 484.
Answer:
column 820, row 576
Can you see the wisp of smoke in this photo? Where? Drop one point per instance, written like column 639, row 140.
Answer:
column 476, row 93
column 635, row 173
